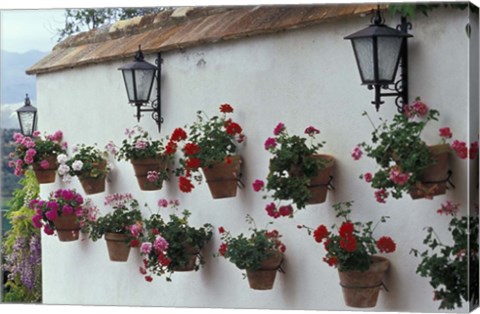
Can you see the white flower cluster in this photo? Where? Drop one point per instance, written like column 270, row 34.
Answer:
column 63, row 169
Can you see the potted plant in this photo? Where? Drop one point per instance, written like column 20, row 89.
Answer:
column 298, row 173
column 173, row 245
column 89, row 164
column 149, row 158
column 260, row 254
column 39, row 152
column 406, row 164
column 452, row 267
column 65, row 211
column 352, row 251
column 212, row 147
column 116, row 225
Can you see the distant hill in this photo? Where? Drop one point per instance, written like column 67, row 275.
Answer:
column 14, row 82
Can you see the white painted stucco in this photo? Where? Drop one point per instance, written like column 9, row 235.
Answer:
column 302, row 77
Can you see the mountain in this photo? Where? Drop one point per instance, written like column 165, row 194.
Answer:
column 14, row 82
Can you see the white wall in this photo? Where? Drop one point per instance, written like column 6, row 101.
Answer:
column 301, row 78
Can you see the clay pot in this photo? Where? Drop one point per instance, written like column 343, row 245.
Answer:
column 192, row 259
column 118, row 246
column 94, row 185
column 360, row 289
column 67, row 228
column 434, row 178
column 319, row 184
column 222, row 177
column 264, row 277
column 143, row 166
column 46, row 175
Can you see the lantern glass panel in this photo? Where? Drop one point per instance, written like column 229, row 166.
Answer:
column 388, row 55
column 363, row 48
column 128, row 78
column 144, row 82
column 27, row 120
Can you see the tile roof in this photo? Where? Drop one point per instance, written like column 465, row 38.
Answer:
column 177, row 28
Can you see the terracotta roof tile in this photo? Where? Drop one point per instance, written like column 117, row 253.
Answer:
column 186, row 27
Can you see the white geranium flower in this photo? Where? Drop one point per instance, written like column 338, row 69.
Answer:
column 62, row 158
column 67, row 179
column 77, row 165
column 63, row 169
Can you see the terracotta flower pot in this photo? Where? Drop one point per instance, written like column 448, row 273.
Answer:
column 67, row 228
column 434, row 178
column 143, row 166
column 264, row 277
column 319, row 184
column 360, row 289
column 222, row 178
column 118, row 246
column 94, row 185
column 48, row 174
column 192, row 259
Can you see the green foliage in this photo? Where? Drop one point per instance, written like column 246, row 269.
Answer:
column 411, row 9
column 125, row 214
column 77, row 20
column 20, row 235
column 248, row 252
column 140, row 145
column 449, row 267
column 183, row 242
column 292, row 166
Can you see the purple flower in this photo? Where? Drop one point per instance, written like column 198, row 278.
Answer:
column 37, row 221
column 52, row 215
column 47, row 230
column 67, row 209
column 311, row 131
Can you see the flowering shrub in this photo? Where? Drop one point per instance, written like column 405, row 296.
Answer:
column 401, row 154
column 352, row 247
column 35, row 150
column 84, row 163
column 291, row 168
column 168, row 246
column 249, row 252
column 21, row 247
column 210, row 141
column 452, row 269
column 60, row 203
column 125, row 214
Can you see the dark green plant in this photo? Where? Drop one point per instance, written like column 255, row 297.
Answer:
column 354, row 245
column 248, row 252
column 452, row 269
column 172, row 244
column 140, row 145
column 292, row 165
column 125, row 214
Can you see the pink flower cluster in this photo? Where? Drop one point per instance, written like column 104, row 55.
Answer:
column 417, row 109
column 55, row 137
column 118, row 200
column 282, row 211
column 258, row 185
column 448, row 208
column 311, row 131
column 357, row 153
column 160, row 244
column 279, row 129
column 61, row 202
column 399, row 177
column 270, row 143
column 153, row 176
column 381, row 195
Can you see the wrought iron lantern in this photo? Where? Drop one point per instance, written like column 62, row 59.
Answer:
column 139, row 77
column 27, row 117
column 379, row 49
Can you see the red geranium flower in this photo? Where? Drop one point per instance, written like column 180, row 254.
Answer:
column 445, row 132
column 331, row 261
column 320, row 233
column 349, row 243
column 192, row 163
column 346, row 229
column 233, row 128
column 185, row 184
column 191, row 149
column 148, row 278
column 223, row 249
column 226, row 108
column 171, row 148
column 134, row 243
column 221, row 230
column 386, row 245
column 178, row 134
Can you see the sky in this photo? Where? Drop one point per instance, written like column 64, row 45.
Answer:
column 24, row 30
